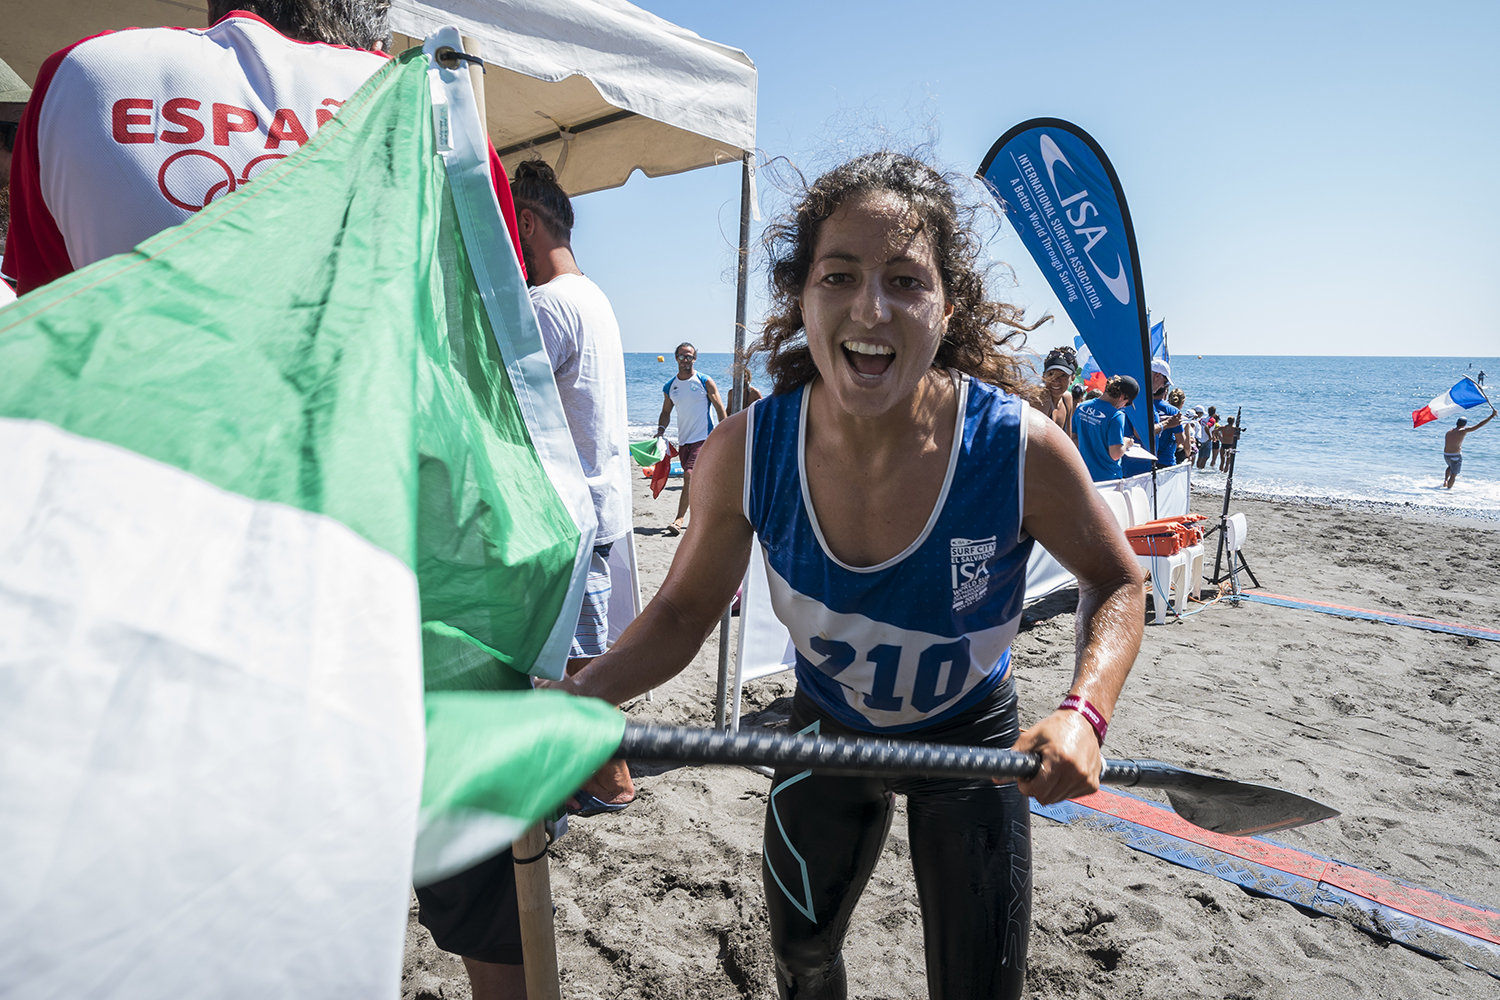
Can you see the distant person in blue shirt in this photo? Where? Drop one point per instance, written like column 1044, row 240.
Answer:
column 1099, row 427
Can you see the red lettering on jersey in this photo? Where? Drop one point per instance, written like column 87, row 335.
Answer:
column 324, row 116
column 131, row 112
column 285, row 127
column 228, row 118
column 174, row 111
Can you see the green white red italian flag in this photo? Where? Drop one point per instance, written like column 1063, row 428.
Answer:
column 288, row 510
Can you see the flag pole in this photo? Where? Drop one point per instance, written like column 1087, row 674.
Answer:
column 534, row 901
column 533, row 878
column 1239, row 416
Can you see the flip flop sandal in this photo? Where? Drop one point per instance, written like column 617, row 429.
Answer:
column 591, row 805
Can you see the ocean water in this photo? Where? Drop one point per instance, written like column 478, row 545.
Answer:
column 1316, row 428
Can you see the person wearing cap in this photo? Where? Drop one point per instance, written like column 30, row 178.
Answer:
column 1168, row 425
column 1056, row 400
column 1099, row 429
column 13, row 97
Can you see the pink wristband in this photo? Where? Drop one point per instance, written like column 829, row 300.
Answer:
column 1090, row 715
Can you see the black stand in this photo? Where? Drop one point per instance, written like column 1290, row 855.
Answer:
column 1220, row 577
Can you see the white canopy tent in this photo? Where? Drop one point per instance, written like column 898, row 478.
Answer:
column 598, row 88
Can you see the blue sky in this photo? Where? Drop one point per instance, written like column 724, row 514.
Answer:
column 1304, row 179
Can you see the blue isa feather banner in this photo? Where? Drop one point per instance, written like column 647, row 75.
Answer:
column 1063, row 198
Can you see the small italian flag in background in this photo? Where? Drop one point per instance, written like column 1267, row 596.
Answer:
column 288, row 512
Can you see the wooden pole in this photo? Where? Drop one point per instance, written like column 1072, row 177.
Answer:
column 534, row 900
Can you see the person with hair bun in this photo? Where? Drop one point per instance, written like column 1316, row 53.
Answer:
column 896, row 480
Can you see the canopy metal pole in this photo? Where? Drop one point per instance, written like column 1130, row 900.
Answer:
column 742, row 285
column 736, row 401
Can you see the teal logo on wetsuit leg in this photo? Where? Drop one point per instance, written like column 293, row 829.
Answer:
column 807, row 909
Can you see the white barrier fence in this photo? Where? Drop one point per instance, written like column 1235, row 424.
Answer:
column 765, row 647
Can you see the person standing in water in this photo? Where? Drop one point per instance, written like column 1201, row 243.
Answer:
column 897, row 482
column 1453, row 447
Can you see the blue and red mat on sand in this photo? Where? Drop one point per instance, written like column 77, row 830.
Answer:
column 1426, row 921
column 1344, row 611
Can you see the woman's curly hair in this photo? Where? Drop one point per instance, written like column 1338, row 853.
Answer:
column 981, row 331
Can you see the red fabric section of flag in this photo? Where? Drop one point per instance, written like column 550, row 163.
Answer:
column 660, row 471
column 1422, row 416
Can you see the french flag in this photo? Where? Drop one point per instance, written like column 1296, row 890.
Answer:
column 1463, row 395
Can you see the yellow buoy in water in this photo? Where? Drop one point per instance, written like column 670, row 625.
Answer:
column 1200, row 358
column 660, row 358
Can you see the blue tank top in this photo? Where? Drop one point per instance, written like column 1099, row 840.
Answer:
column 925, row 634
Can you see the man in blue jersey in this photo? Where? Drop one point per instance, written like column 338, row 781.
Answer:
column 1099, row 427
column 692, row 394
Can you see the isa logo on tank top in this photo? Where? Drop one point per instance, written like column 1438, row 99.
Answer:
column 971, row 574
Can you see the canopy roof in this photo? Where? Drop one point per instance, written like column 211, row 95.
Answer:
column 33, row 31
column 598, row 88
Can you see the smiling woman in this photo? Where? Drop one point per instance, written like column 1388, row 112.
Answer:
column 981, row 329
column 896, row 483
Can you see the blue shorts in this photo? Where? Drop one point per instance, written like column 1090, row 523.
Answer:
column 592, row 634
column 1455, row 461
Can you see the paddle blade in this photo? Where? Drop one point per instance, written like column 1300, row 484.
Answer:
column 1233, row 808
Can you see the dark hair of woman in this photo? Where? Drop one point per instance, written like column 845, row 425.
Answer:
column 535, row 186
column 1061, row 355
column 981, row 332
column 358, row 23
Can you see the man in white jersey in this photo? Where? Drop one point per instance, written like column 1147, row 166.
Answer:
column 130, row 132
column 692, row 394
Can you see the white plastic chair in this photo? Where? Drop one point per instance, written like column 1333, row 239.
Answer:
column 1194, row 573
column 1115, row 500
column 1234, row 537
column 1139, row 504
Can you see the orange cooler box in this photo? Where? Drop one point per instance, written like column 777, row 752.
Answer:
column 1157, row 538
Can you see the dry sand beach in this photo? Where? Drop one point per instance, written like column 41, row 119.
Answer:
column 1394, row 726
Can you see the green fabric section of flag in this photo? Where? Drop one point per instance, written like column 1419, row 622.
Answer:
column 317, row 339
column 516, row 753
column 649, row 452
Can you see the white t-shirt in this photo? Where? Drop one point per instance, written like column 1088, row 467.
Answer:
column 139, row 129
column 582, row 339
column 690, row 400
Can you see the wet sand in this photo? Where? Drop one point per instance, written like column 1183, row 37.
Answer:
column 1394, row 726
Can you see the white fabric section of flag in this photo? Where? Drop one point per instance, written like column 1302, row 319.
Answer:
column 452, row 841
column 497, row 273
column 1464, row 395
column 211, row 735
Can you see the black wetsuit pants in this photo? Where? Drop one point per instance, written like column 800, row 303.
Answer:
column 970, row 847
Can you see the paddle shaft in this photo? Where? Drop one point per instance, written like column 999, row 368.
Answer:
column 839, row 755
